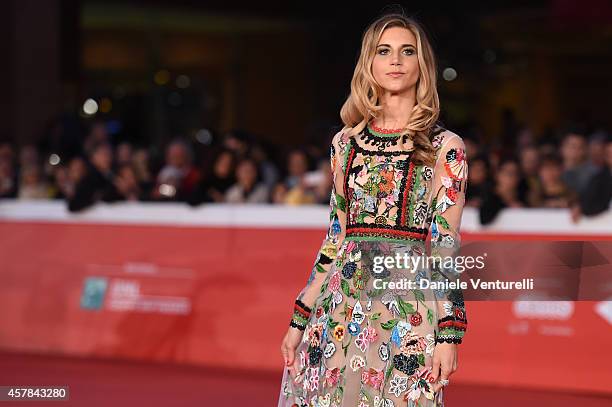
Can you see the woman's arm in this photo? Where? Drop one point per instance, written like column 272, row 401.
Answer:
column 449, row 199
column 337, row 224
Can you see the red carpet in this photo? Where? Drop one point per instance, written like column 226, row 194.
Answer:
column 120, row 383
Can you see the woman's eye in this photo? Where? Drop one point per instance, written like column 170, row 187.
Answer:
column 407, row 51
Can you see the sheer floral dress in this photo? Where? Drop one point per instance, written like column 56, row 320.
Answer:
column 367, row 345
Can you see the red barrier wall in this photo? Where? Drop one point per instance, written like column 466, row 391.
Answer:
column 223, row 296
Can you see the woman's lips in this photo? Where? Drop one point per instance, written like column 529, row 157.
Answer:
column 395, row 74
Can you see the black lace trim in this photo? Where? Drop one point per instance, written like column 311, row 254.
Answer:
column 449, row 340
column 373, row 152
column 405, row 187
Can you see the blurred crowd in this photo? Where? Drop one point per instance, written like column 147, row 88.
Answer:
column 572, row 169
column 569, row 168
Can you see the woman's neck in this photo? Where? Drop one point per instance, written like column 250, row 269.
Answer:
column 397, row 109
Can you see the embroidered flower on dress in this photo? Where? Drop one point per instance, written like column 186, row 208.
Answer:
column 365, row 337
column 406, row 364
column 430, row 340
column 336, row 299
column 387, row 182
column 357, row 315
column 455, row 164
column 313, row 378
column 447, row 182
column 437, row 139
column 403, row 327
column 334, row 282
column 349, row 269
column 447, row 242
column 324, row 401
column 413, row 344
column 398, row 385
column 448, row 308
column 330, row 349
column 332, row 376
column 421, row 385
column 444, row 203
column 315, row 334
column 389, row 300
column 383, row 351
column 420, row 212
column 302, row 359
column 416, row 318
column 356, row 362
column 315, row 356
column 353, row 328
column 339, row 332
column 372, row 377
column 382, row 402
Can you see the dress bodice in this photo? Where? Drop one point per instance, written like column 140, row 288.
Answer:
column 388, row 196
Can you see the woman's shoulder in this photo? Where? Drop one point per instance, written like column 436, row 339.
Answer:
column 341, row 139
column 444, row 139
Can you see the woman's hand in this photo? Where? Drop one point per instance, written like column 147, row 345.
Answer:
column 288, row 346
column 444, row 363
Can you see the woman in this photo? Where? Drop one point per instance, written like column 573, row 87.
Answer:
column 248, row 188
column 397, row 175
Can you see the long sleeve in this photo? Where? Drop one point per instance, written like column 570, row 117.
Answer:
column 449, row 186
column 337, row 224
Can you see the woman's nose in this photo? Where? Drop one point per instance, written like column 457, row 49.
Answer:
column 395, row 60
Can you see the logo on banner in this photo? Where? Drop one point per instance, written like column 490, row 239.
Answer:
column 93, row 293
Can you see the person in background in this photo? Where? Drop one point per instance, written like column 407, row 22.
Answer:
column 323, row 183
column 299, row 191
column 178, row 178
column 140, row 165
column 8, row 174
column 479, row 180
column 529, row 157
column 248, row 188
column 237, row 141
column 28, row 156
column 596, row 151
column 597, row 194
column 127, row 183
column 60, row 187
column 505, row 192
column 31, row 184
column 576, row 169
column 551, row 191
column 98, row 133
column 98, row 183
column 297, row 166
column 66, row 177
column 217, row 179
column 279, row 193
column 123, row 154
column 267, row 169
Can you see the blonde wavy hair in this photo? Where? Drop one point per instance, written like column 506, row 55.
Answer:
column 363, row 103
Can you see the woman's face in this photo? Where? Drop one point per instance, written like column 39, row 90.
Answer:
column 478, row 172
column 508, row 175
column 396, row 66
column 223, row 165
column 550, row 173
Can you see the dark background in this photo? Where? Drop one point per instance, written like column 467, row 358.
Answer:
column 282, row 70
